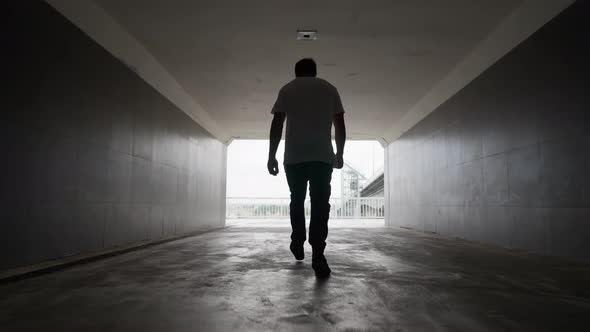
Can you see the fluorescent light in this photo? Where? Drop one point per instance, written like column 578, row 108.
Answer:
column 307, row 34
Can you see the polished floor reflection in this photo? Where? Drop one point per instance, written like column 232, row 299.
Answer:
column 244, row 278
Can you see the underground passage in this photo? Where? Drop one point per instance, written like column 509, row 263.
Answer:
column 295, row 166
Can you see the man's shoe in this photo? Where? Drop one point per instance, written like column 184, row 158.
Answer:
column 320, row 267
column 297, row 251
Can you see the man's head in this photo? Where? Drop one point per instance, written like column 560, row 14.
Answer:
column 305, row 68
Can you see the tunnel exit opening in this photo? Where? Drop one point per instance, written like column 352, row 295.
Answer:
column 256, row 198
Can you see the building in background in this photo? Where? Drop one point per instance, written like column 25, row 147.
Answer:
column 354, row 184
column 352, row 181
column 374, row 186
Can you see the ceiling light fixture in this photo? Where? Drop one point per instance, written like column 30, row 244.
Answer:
column 307, row 34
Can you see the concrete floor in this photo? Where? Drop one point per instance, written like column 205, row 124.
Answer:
column 244, row 278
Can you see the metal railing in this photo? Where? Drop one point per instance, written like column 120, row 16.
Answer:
column 341, row 208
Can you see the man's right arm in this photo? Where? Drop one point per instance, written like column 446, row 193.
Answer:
column 339, row 130
column 340, row 133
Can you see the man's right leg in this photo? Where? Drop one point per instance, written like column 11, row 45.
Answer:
column 320, row 175
column 297, row 180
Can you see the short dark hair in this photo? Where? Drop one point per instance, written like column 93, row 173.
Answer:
column 306, row 67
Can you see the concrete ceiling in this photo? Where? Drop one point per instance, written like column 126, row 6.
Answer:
column 231, row 56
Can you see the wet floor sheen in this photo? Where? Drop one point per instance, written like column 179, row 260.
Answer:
column 244, row 278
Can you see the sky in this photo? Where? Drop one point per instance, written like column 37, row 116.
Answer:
column 247, row 175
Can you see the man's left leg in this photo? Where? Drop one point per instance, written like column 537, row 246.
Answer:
column 320, row 176
column 297, row 180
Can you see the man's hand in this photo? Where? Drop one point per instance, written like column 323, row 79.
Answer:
column 273, row 166
column 338, row 161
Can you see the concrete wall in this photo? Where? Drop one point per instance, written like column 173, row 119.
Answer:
column 93, row 157
column 506, row 160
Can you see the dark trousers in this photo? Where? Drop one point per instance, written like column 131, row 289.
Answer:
column 319, row 175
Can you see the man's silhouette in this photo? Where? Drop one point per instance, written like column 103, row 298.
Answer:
column 310, row 105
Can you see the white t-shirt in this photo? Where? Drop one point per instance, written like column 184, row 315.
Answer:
column 309, row 103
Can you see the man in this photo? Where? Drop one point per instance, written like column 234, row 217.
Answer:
column 311, row 105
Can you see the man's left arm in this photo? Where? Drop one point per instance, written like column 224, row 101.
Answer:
column 276, row 132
